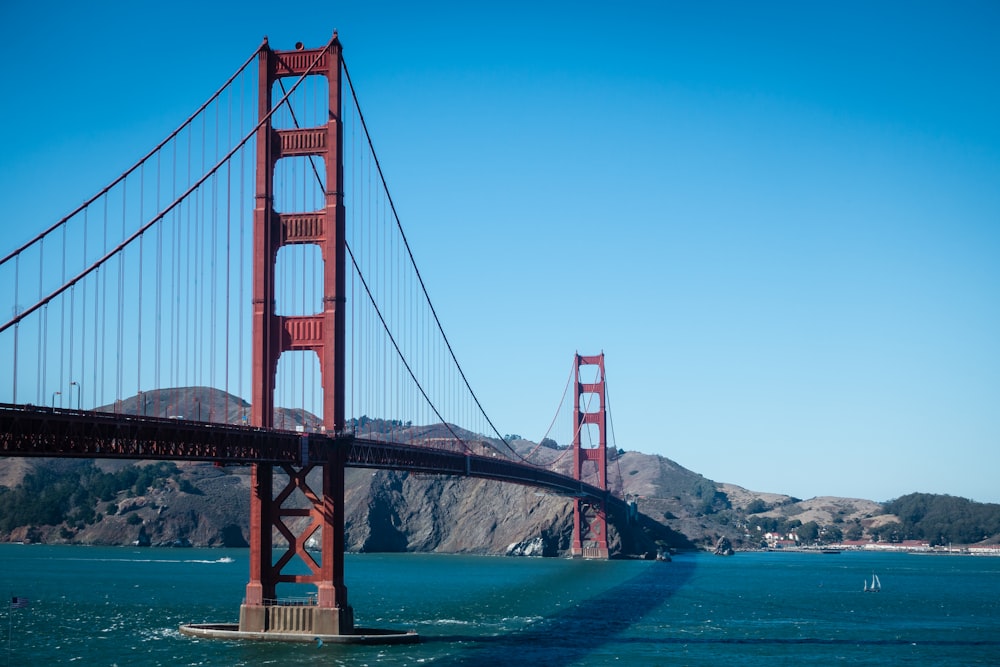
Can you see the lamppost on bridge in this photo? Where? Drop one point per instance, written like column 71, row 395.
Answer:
column 54, row 394
column 79, row 392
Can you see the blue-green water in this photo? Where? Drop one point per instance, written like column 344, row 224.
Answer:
column 122, row 606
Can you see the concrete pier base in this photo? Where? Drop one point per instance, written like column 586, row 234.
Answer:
column 231, row 631
column 307, row 619
column 298, row 623
column 591, row 552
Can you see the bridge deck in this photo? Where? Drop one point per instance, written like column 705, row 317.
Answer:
column 40, row 431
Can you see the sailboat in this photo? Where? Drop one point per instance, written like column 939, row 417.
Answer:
column 875, row 586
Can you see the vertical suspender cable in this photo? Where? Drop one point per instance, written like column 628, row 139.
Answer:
column 17, row 327
column 121, row 304
column 62, row 320
column 354, row 283
column 381, row 269
column 83, row 315
column 138, row 333
column 199, row 264
column 40, row 359
column 177, row 217
column 100, row 305
column 43, row 341
column 188, row 243
column 158, row 301
column 242, row 217
column 228, row 291
column 213, row 272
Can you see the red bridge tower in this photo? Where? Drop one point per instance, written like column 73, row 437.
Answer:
column 322, row 333
column 590, row 525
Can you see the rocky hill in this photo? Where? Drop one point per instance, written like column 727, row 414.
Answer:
column 199, row 504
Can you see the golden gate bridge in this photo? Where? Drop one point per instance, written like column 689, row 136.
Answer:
column 256, row 250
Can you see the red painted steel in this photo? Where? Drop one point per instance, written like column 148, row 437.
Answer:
column 590, row 524
column 322, row 333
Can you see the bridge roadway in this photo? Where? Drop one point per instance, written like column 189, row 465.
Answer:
column 27, row 430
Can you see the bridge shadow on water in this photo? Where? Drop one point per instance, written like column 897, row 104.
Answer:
column 567, row 636
column 581, row 629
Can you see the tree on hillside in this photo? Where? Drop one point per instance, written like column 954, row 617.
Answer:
column 888, row 532
column 808, row 532
column 831, row 534
column 943, row 519
column 757, row 506
column 48, row 497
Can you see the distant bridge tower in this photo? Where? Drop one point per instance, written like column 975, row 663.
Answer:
column 322, row 333
column 590, row 525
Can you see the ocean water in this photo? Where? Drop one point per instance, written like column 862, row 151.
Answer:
column 122, row 606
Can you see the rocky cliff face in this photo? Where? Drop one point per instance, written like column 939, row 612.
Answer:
column 394, row 511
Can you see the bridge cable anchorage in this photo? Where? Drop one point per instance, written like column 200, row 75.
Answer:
column 131, row 169
column 409, row 251
column 145, row 227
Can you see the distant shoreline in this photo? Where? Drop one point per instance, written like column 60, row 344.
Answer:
column 922, row 549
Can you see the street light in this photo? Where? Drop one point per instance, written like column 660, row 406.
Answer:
column 54, row 394
column 79, row 391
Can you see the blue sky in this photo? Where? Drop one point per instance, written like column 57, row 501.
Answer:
column 779, row 221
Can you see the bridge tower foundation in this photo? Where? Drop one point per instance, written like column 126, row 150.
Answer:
column 590, row 524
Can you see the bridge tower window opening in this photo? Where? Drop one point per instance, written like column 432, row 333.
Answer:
column 590, row 443
column 298, row 280
column 298, row 182
column 298, row 403
column 589, row 374
column 306, row 106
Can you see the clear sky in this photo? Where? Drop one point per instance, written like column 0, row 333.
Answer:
column 779, row 221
